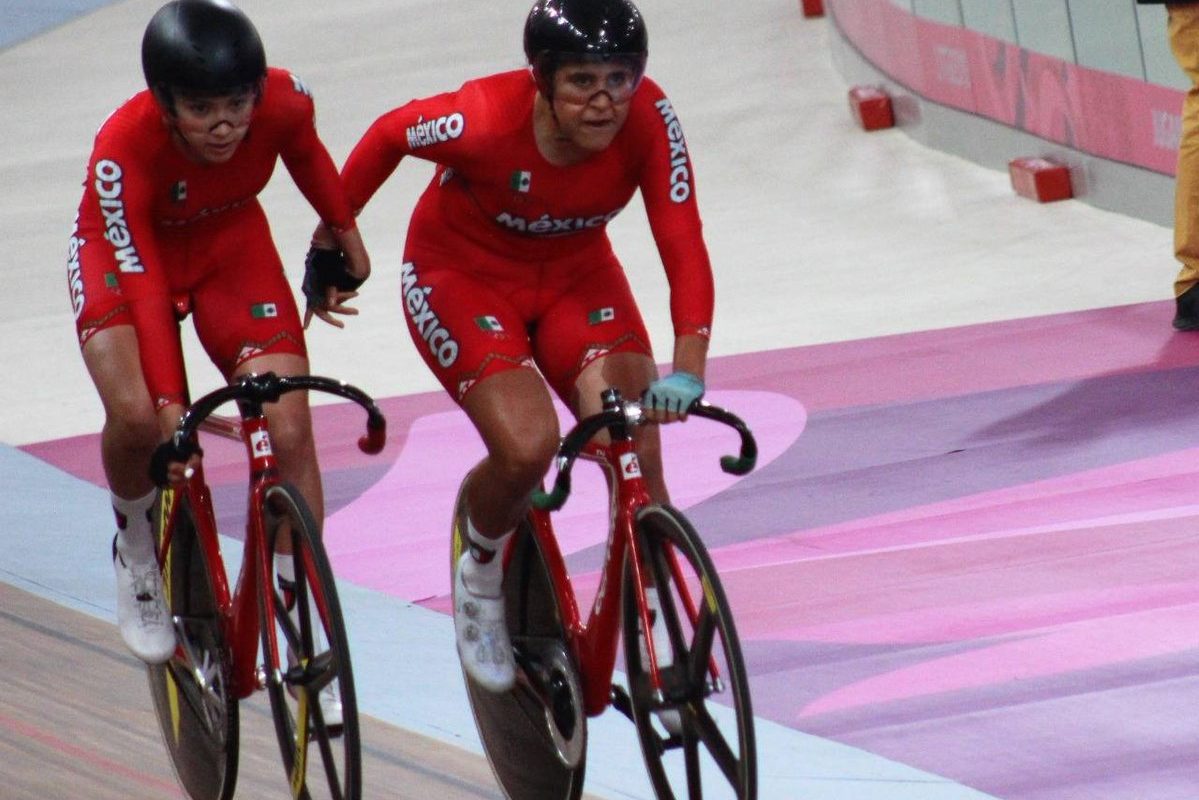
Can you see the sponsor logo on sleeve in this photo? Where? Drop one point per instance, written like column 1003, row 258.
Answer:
column 109, row 187
column 299, row 85
column 74, row 273
column 680, row 170
column 435, row 131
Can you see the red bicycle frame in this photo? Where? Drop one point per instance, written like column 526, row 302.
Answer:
column 238, row 613
column 594, row 642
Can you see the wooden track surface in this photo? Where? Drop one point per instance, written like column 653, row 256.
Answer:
column 76, row 720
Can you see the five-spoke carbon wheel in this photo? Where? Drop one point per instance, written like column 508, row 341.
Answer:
column 311, row 689
column 697, row 734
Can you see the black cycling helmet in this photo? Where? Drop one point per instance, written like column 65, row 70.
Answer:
column 564, row 31
column 201, row 47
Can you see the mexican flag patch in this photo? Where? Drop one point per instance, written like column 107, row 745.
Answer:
column 521, row 180
column 264, row 311
column 601, row 315
column 489, row 323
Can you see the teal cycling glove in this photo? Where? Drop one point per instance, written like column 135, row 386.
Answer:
column 674, row 393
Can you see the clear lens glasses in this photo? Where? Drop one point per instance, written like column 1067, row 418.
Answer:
column 583, row 83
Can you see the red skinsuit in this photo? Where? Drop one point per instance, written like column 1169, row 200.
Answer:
column 508, row 258
column 154, row 226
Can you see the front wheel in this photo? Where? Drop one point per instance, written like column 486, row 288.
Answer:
column 310, row 685
column 697, row 735
column 193, row 699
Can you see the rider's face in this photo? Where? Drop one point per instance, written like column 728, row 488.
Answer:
column 591, row 101
column 211, row 128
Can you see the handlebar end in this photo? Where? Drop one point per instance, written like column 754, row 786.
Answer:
column 735, row 465
column 376, row 435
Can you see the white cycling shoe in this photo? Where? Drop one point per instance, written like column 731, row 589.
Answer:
column 329, row 700
column 331, row 707
column 142, row 613
column 670, row 718
column 482, row 635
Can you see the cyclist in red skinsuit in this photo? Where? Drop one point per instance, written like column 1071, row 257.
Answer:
column 508, row 267
column 170, row 210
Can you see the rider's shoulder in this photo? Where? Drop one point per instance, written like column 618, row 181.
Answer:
column 502, row 90
column 284, row 94
column 480, row 104
column 132, row 128
column 650, row 96
column 651, row 112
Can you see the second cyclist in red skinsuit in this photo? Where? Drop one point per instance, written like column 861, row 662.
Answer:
column 509, row 274
column 169, row 211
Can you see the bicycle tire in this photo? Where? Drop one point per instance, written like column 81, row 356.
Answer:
column 517, row 728
column 193, row 699
column 314, row 654
column 711, row 753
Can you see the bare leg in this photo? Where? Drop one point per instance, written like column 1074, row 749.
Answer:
column 514, row 413
column 131, row 432
column 131, row 428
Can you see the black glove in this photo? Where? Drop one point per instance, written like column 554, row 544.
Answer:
column 166, row 454
column 324, row 268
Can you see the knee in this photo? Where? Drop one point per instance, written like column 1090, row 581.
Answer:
column 130, row 420
column 526, row 456
column 291, row 436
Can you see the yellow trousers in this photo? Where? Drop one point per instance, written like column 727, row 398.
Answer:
column 1182, row 27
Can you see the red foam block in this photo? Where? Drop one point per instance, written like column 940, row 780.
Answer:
column 871, row 107
column 1040, row 179
column 812, row 8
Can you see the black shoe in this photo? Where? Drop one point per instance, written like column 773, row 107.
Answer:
column 1187, row 316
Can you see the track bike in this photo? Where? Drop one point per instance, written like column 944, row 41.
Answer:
column 687, row 692
column 305, row 656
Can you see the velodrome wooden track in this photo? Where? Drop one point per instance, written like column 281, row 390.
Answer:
column 76, row 721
